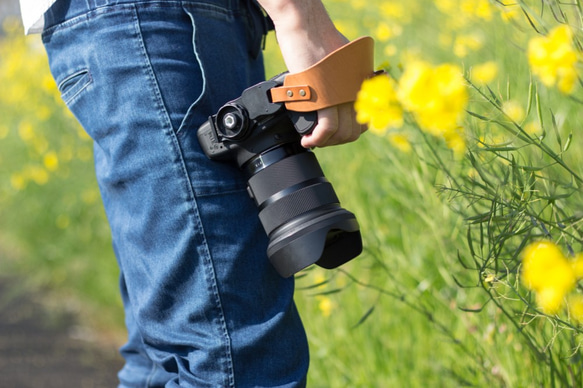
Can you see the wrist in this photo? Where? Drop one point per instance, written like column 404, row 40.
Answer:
column 304, row 31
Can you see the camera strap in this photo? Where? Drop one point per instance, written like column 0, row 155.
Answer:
column 336, row 79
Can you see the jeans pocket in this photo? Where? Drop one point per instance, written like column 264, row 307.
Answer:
column 226, row 45
column 72, row 85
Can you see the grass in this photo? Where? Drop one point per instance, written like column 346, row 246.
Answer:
column 400, row 286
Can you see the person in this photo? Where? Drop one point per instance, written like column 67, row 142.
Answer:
column 203, row 306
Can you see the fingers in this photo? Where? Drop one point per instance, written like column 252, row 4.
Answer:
column 336, row 125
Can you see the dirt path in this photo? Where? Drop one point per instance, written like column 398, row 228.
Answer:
column 41, row 349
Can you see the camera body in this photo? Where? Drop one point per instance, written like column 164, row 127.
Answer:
column 298, row 207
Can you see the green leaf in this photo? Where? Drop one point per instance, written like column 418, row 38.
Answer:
column 531, row 96
column 556, row 129
column 568, row 142
column 539, row 110
column 364, row 317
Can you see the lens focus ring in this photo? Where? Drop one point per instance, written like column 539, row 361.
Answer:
column 291, row 187
column 288, row 172
column 296, row 203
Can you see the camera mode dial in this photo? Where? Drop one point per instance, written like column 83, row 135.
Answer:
column 232, row 122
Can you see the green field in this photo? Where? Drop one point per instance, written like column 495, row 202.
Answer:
column 436, row 299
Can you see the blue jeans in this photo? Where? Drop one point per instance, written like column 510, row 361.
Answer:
column 203, row 305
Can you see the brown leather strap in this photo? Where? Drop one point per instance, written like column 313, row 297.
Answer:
column 334, row 80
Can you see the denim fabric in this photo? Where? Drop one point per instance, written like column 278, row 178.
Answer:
column 203, row 305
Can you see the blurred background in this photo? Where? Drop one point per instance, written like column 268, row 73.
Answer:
column 9, row 8
column 413, row 310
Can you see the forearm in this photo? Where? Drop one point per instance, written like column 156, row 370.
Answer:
column 306, row 34
column 304, row 31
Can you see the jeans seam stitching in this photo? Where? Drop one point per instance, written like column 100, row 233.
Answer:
column 193, row 211
column 151, row 376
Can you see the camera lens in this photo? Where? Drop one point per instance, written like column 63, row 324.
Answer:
column 301, row 214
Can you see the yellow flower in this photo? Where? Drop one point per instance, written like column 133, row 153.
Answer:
column 48, row 84
column 476, row 8
column 358, row 4
column 347, row 29
column 567, row 81
column 38, row 174
column 533, row 128
column 550, row 299
column 393, row 10
column 483, row 10
column 320, row 280
column 26, row 131
column 510, row 12
column 577, row 265
column 390, row 50
column 575, row 305
column 456, row 141
column 446, row 6
column 400, row 141
column 553, row 59
column 326, row 306
column 485, row 73
column 51, row 161
column 18, row 181
column 547, row 271
column 513, row 110
column 384, row 31
column 435, row 95
column 377, row 104
column 463, row 44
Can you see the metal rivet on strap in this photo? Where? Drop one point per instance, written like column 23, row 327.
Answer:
column 302, row 92
column 290, row 93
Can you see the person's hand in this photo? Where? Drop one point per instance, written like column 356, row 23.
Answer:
column 336, row 125
column 306, row 34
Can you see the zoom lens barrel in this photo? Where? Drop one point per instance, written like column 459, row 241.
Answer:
column 301, row 214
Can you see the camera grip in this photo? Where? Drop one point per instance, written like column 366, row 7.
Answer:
column 209, row 143
column 304, row 122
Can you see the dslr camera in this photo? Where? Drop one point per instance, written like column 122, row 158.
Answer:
column 298, row 206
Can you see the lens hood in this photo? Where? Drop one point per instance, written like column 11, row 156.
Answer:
column 329, row 240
